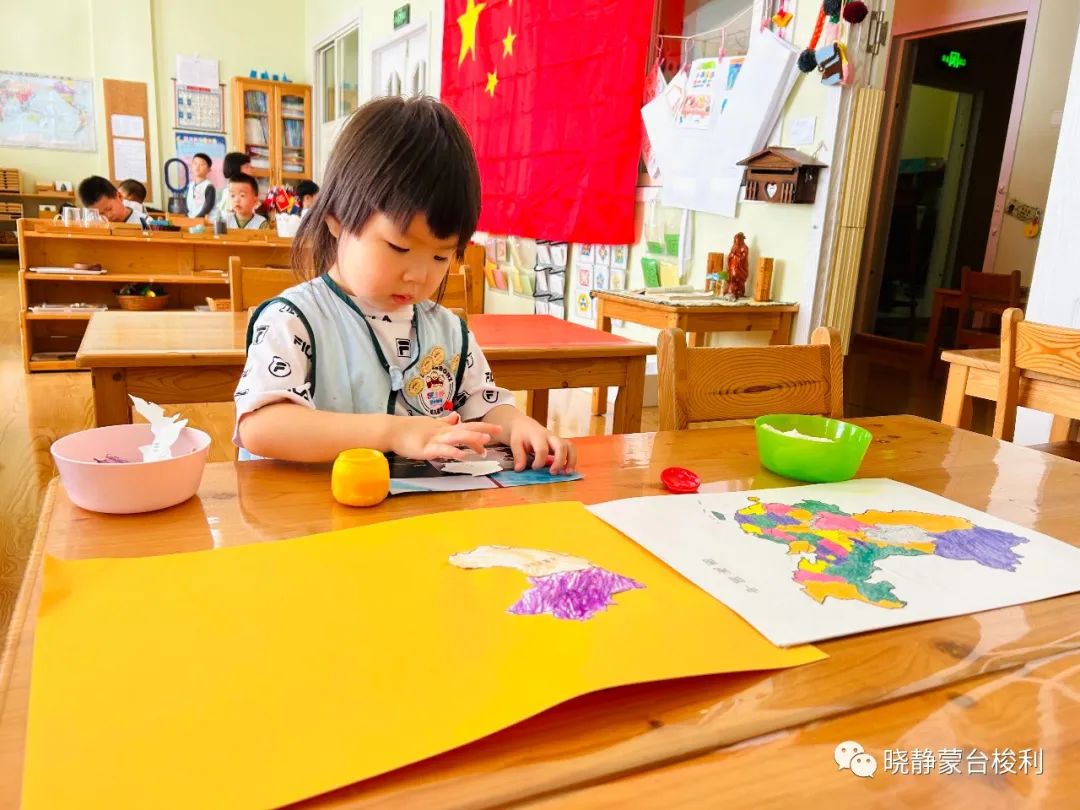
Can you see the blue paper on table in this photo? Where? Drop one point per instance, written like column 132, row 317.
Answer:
column 410, row 475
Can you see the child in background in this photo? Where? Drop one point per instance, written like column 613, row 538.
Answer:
column 243, row 200
column 233, row 164
column 306, row 191
column 201, row 193
column 132, row 191
column 358, row 356
column 101, row 195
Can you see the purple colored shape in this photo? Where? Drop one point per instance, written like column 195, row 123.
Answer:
column 573, row 594
column 988, row 547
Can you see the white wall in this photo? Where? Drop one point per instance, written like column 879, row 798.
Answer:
column 1055, row 288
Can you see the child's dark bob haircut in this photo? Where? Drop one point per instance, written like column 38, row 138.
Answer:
column 247, row 180
column 399, row 157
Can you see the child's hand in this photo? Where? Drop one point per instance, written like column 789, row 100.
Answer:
column 529, row 436
column 425, row 438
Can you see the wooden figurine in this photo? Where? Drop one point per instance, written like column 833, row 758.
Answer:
column 781, row 175
column 738, row 265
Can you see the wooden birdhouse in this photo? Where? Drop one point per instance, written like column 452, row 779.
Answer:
column 781, row 175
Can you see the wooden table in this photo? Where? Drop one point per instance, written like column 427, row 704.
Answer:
column 973, row 374
column 694, row 319
column 183, row 357
column 926, row 684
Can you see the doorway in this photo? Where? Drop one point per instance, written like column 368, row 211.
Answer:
column 954, row 102
column 399, row 66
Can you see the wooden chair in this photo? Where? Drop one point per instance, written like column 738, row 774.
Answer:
column 250, row 286
column 456, row 291
column 1038, row 349
column 708, row 385
column 983, row 297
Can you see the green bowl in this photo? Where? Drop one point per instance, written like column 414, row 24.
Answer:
column 805, row 459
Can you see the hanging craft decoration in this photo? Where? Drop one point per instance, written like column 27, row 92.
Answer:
column 831, row 59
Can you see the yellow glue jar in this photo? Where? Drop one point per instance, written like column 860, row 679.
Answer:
column 361, row 477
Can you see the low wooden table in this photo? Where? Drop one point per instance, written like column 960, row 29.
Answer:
column 184, row 357
column 1000, row 678
column 973, row 374
column 697, row 320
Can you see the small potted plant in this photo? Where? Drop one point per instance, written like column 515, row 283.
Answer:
column 144, row 297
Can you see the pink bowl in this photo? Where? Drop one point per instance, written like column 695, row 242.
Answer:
column 138, row 486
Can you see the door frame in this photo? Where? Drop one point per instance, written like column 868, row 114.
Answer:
column 317, row 84
column 883, row 183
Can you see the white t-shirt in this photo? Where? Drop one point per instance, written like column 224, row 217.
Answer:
column 135, row 217
column 278, row 362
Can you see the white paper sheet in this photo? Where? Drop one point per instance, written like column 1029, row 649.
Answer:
column 196, row 72
column 127, row 126
column 129, row 159
column 801, row 131
column 699, row 166
column 803, row 564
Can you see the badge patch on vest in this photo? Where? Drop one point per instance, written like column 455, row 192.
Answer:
column 433, row 387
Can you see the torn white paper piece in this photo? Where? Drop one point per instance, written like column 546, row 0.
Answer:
column 472, row 467
column 531, row 561
column 165, row 429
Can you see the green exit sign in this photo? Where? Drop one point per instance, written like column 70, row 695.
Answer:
column 401, row 16
column 954, row 60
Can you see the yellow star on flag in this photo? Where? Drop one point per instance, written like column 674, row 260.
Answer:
column 493, row 79
column 508, row 42
column 467, row 23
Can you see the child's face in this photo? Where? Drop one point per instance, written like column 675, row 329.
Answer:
column 199, row 168
column 387, row 268
column 307, row 200
column 112, row 208
column 242, row 200
column 124, row 195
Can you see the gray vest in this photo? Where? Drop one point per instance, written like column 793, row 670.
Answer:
column 350, row 374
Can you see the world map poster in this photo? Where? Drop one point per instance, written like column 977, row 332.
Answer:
column 46, row 112
column 808, row 563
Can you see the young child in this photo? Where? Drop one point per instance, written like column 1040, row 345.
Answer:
column 306, row 191
column 233, row 164
column 201, row 192
column 243, row 200
column 101, row 195
column 133, row 191
column 357, row 356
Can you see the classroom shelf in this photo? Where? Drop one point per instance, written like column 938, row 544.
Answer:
column 59, row 316
column 52, row 365
column 37, row 196
column 125, row 278
column 191, row 268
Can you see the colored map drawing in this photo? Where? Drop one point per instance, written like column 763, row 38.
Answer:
column 841, row 551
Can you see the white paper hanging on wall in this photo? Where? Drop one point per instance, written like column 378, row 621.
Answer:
column 699, row 167
column 196, row 72
column 127, row 126
column 129, row 159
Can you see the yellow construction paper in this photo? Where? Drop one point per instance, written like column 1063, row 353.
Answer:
column 259, row 675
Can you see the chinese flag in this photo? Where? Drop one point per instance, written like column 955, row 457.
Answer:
column 550, row 91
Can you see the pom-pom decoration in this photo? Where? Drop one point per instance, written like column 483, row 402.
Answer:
column 855, row 12
column 807, row 61
column 831, row 8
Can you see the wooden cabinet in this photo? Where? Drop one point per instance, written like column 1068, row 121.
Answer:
column 272, row 124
